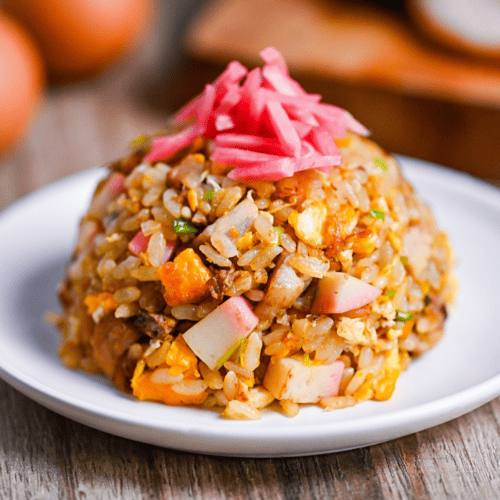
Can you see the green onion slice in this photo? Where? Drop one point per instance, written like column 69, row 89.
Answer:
column 280, row 231
column 183, row 226
column 240, row 349
column 403, row 315
column 229, row 353
column 139, row 140
column 307, row 359
column 403, row 260
column 381, row 164
column 209, row 194
column 390, row 293
column 377, row 214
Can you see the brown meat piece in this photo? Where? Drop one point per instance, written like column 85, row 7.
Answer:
column 110, row 342
column 153, row 325
column 438, row 307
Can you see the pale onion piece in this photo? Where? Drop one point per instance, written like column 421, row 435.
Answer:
column 241, row 218
column 341, row 292
column 292, row 380
column 217, row 332
column 417, row 247
column 284, row 286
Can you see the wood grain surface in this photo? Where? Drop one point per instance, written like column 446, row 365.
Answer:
column 46, row 456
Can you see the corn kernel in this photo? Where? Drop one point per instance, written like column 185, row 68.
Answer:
column 199, row 158
column 343, row 142
column 364, row 391
column 395, row 241
column 192, row 200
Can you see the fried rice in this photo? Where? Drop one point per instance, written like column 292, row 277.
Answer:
column 172, row 249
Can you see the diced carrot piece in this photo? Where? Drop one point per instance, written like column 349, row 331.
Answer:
column 185, row 279
column 182, row 359
column 386, row 382
column 145, row 389
column 365, row 390
column 104, row 300
column 407, row 329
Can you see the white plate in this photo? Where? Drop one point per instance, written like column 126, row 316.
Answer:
column 459, row 375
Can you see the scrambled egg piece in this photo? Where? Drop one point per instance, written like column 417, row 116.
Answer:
column 351, row 329
column 310, row 224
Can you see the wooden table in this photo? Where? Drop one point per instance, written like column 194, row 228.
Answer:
column 46, row 456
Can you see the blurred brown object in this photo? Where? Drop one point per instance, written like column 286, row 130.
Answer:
column 22, row 78
column 416, row 100
column 469, row 26
column 78, row 38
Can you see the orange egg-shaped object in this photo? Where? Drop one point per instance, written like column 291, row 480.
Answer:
column 80, row 37
column 21, row 80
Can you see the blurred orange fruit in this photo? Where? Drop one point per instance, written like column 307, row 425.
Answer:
column 80, row 37
column 21, row 80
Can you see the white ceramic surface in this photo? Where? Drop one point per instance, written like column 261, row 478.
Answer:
column 459, row 375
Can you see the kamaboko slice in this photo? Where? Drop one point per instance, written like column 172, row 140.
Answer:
column 215, row 334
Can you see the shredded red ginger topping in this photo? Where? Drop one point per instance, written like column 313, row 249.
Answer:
column 267, row 128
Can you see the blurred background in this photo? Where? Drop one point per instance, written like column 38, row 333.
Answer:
column 79, row 79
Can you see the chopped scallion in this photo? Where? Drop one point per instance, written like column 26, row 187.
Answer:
column 403, row 315
column 139, row 140
column 229, row 353
column 209, row 195
column 183, row 226
column 377, row 214
column 381, row 164
column 240, row 349
column 390, row 293
column 280, row 231
column 307, row 359
column 403, row 260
